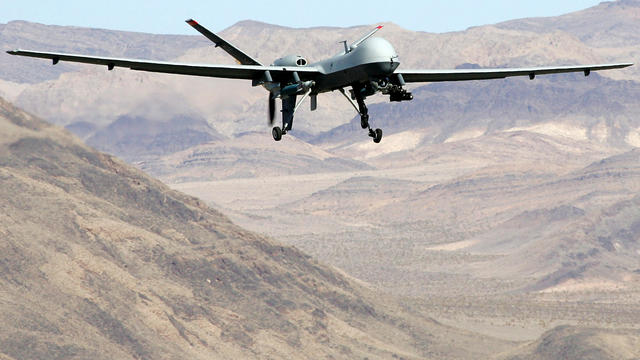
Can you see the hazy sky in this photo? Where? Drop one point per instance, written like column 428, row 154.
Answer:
column 167, row 16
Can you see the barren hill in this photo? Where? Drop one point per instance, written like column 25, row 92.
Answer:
column 597, row 107
column 100, row 261
column 248, row 156
column 568, row 342
column 504, row 207
column 514, row 209
column 617, row 29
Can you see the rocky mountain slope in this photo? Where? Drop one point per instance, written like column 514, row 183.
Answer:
column 519, row 208
column 597, row 107
column 568, row 342
column 616, row 30
column 100, row 261
column 250, row 155
column 504, row 207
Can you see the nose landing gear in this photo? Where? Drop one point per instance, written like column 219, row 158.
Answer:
column 364, row 120
column 361, row 108
column 376, row 135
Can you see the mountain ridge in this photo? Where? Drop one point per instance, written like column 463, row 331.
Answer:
column 99, row 260
column 507, row 208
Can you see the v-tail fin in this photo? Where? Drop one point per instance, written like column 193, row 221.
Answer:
column 237, row 54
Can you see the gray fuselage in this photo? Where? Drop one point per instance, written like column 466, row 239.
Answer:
column 375, row 58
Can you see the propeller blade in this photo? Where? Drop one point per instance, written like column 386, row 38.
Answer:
column 272, row 109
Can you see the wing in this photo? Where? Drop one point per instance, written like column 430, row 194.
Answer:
column 486, row 74
column 247, row 72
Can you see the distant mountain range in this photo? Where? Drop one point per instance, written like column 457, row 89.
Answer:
column 447, row 109
column 486, row 201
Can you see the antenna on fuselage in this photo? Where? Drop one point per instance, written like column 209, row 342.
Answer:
column 346, row 47
column 349, row 48
column 364, row 38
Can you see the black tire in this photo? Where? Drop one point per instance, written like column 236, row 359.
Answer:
column 364, row 121
column 378, row 136
column 277, row 133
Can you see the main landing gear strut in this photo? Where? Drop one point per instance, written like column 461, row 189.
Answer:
column 289, row 108
column 361, row 108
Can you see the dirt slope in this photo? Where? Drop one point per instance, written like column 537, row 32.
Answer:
column 100, row 261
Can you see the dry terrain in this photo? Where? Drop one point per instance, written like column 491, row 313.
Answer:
column 481, row 240
column 496, row 219
column 98, row 260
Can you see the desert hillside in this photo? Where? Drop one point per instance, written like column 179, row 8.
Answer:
column 568, row 342
column 496, row 218
column 101, row 261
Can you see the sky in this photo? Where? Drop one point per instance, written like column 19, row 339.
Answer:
column 167, row 16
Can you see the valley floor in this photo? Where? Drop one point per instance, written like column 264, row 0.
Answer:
column 351, row 220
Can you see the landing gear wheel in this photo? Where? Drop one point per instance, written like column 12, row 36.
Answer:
column 277, row 133
column 364, row 121
column 378, row 136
